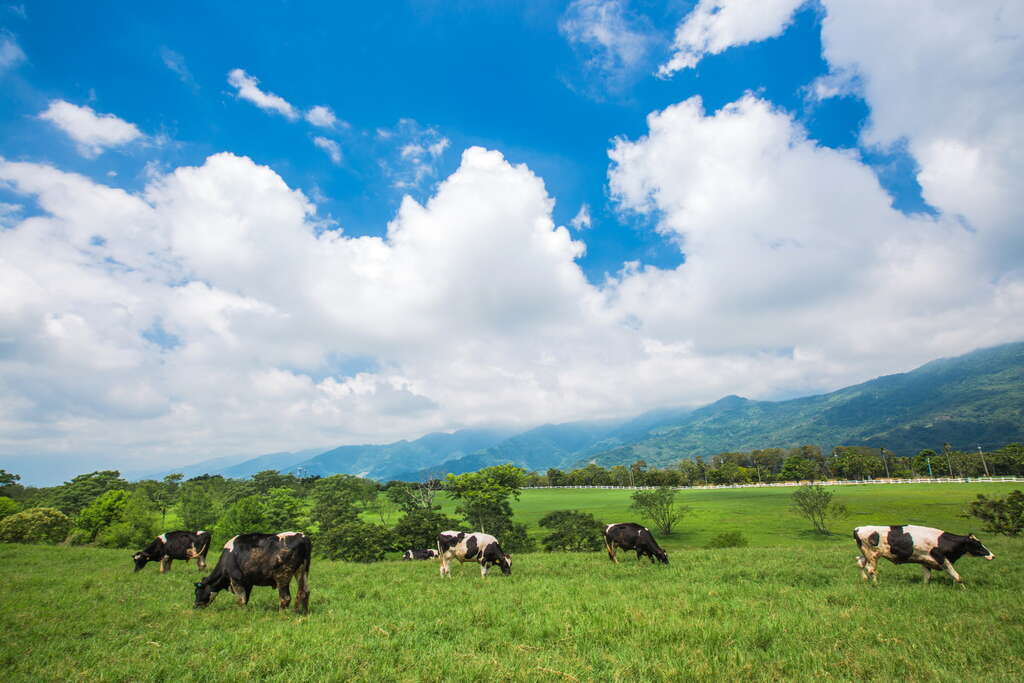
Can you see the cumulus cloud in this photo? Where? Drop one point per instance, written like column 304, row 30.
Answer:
column 94, row 133
column 581, row 221
column 330, row 147
column 716, row 25
column 248, row 89
column 321, row 116
column 615, row 44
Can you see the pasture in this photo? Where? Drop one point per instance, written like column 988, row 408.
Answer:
column 788, row 607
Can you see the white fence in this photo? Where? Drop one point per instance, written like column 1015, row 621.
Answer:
column 832, row 482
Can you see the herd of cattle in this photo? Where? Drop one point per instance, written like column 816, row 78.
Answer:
column 275, row 559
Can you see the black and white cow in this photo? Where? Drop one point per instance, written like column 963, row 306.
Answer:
column 175, row 545
column 425, row 554
column 930, row 548
column 472, row 547
column 630, row 536
column 261, row 560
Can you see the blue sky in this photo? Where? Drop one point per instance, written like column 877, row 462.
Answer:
column 826, row 168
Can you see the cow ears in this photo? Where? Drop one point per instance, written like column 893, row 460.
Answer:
column 972, row 536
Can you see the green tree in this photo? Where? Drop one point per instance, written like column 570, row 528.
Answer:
column 856, row 462
column 814, row 502
column 418, row 528
column 245, row 516
column 283, row 510
column 356, row 541
column 73, row 496
column 483, row 497
column 8, row 507
column 573, row 531
column 660, row 506
column 105, row 510
column 334, row 501
column 167, row 494
column 196, row 506
column 797, row 468
column 135, row 527
column 35, row 525
column 1000, row 515
column 925, row 462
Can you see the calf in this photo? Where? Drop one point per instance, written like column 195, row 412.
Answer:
column 630, row 536
column 426, row 554
column 175, row 545
column 930, row 548
column 261, row 560
column 472, row 547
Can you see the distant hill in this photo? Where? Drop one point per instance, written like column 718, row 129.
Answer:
column 387, row 461
column 970, row 400
column 974, row 399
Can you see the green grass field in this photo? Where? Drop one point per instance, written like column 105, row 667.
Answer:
column 788, row 607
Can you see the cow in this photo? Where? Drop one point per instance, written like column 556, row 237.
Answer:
column 902, row 544
column 472, row 547
column 261, row 560
column 425, row 554
column 630, row 536
column 175, row 545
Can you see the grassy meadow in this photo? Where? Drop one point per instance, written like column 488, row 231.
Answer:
column 787, row 607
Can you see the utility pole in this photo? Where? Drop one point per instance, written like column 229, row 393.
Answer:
column 983, row 463
column 949, row 463
column 881, row 453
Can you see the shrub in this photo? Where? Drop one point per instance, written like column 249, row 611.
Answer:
column 35, row 525
column 419, row 527
column 814, row 502
column 660, row 507
column 102, row 512
column 728, row 539
column 355, row 541
column 245, row 516
column 7, row 507
column 572, row 530
column 1000, row 515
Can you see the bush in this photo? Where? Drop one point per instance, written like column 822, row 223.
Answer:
column 136, row 527
column 814, row 502
column 245, row 516
column 419, row 527
column 1000, row 515
column 105, row 510
column 573, row 531
column 516, row 540
column 355, row 541
column 660, row 507
column 8, row 507
column 728, row 539
column 35, row 525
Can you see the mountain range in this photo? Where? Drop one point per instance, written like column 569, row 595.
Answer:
column 967, row 401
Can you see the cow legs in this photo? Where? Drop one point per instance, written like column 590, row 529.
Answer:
column 868, row 563
column 284, row 594
column 302, row 583
column 611, row 552
column 948, row 566
column 241, row 591
column 927, row 572
column 165, row 564
column 484, row 568
column 201, row 562
column 445, row 568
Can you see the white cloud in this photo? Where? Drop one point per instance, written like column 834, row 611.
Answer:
column 419, row 150
column 716, row 25
column 615, row 43
column 841, row 83
column 176, row 63
column 11, row 53
column 581, row 221
column 330, row 147
column 93, row 132
column 321, row 116
column 248, row 89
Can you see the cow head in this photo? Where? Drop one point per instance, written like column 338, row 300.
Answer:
column 204, row 594
column 661, row 555
column 976, row 548
column 140, row 558
column 506, row 564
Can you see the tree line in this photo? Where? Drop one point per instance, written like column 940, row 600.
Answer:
column 803, row 463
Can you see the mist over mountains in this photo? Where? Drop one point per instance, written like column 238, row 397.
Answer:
column 967, row 401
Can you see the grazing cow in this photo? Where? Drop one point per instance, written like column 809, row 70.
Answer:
column 175, row 545
column 472, row 547
column 425, row 554
column 930, row 548
column 261, row 560
column 630, row 536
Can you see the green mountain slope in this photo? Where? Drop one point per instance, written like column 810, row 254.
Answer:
column 975, row 399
